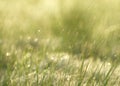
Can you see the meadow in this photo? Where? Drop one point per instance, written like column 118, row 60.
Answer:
column 59, row 43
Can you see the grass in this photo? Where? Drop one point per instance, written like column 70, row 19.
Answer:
column 61, row 69
column 59, row 43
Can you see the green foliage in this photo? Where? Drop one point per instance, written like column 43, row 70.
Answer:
column 74, row 27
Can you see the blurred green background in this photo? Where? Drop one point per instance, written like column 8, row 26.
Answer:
column 89, row 28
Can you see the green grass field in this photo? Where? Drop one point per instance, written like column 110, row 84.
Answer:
column 59, row 43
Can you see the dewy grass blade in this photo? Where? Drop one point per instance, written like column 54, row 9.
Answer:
column 108, row 75
column 83, row 77
column 91, row 78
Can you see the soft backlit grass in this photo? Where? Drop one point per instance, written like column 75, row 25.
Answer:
column 61, row 69
column 59, row 43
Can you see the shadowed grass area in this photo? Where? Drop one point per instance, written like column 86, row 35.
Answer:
column 59, row 43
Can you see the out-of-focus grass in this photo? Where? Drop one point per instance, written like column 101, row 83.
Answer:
column 61, row 69
column 60, row 43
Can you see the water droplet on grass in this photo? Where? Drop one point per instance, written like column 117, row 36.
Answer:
column 8, row 54
column 38, row 30
column 36, row 40
column 28, row 65
column 28, row 38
